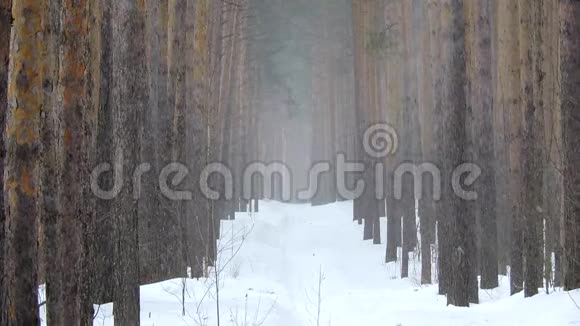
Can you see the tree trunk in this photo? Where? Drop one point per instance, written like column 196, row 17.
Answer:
column 5, row 28
column 483, row 108
column 393, row 230
column 408, row 129
column 426, row 102
column 201, row 75
column 177, row 95
column 570, row 70
column 501, row 164
column 130, row 96
column 358, row 45
column 193, row 150
column 102, row 243
column 410, row 140
column 553, row 185
column 51, row 165
column 76, row 141
column 508, row 99
column 23, row 143
column 462, row 221
column 443, row 209
column 531, row 152
column 150, row 134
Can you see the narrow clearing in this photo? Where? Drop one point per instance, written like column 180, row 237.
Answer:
column 272, row 263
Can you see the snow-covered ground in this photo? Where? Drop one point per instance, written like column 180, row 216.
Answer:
column 274, row 264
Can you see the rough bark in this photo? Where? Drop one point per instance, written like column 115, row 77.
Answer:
column 149, row 208
column 73, row 90
column 5, row 28
column 206, row 72
column 470, row 155
column 533, row 132
column 553, row 185
column 501, row 163
column 483, row 106
column 426, row 202
column 444, row 212
column 170, row 241
column 227, row 126
column 508, row 99
column 200, row 126
column 570, row 70
column 409, row 129
column 102, row 243
column 177, row 93
column 23, row 144
column 50, row 167
column 460, row 210
column 435, row 24
column 130, row 97
column 176, row 242
column 193, row 141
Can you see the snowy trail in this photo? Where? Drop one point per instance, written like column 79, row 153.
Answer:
column 271, row 279
column 360, row 289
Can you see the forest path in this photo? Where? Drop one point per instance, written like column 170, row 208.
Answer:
column 323, row 242
column 358, row 288
column 270, row 266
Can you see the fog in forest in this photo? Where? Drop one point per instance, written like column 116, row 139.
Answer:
column 302, row 47
column 289, row 162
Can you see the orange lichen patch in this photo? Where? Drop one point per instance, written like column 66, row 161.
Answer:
column 77, row 12
column 163, row 11
column 73, row 90
column 23, row 126
column 67, row 137
column 25, row 82
column 67, row 98
column 70, row 94
column 141, row 4
column 27, row 185
column 201, row 39
column 24, row 182
column 75, row 68
column 12, row 312
column 27, row 136
column 11, row 185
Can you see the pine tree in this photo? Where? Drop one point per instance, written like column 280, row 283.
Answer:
column 426, row 203
column 130, row 97
column 149, row 206
column 508, row 99
column 23, row 145
column 533, row 133
column 102, row 241
column 570, row 61
column 200, row 75
column 437, row 64
column 482, row 107
column 193, row 139
column 5, row 28
column 75, row 133
column 460, row 211
column 408, row 129
column 50, row 168
column 444, row 212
